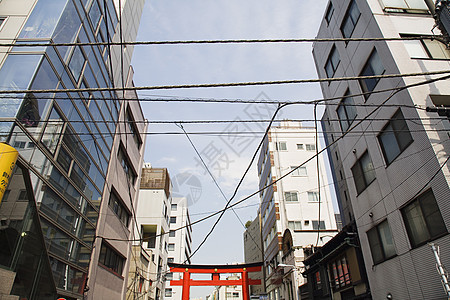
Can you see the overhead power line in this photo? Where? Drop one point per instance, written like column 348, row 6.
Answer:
column 229, row 84
column 229, row 41
column 428, row 81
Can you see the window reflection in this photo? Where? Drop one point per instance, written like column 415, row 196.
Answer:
column 43, row 19
column 16, row 74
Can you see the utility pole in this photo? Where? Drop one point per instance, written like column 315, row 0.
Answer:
column 440, row 269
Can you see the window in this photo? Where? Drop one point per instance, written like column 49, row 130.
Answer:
column 52, row 132
column 363, row 172
column 310, row 147
column 423, row 219
column 169, row 276
column 373, row 67
column 381, row 243
column 317, row 281
column 340, row 273
column 295, row 225
column 123, row 159
column 171, row 247
column 77, row 62
column 172, row 233
column 2, row 19
column 350, row 20
column 170, row 259
column 329, row 13
column 111, row 259
column 408, row 6
column 395, row 137
column 133, row 129
column 19, row 144
column 168, row 293
column 332, row 62
column 281, row 146
column 300, row 147
column 428, row 49
column 117, row 206
column 346, row 112
column 173, row 207
column 173, row 220
column 300, row 171
column 313, row 197
column 291, row 196
column 316, row 225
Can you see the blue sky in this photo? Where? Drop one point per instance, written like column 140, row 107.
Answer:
column 193, row 64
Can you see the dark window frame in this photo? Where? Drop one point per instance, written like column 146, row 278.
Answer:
column 346, row 107
column 109, row 255
column 399, row 134
column 369, row 85
column 426, row 47
column 379, row 246
column 331, row 62
column 427, row 219
column 133, row 128
column 127, row 167
column 290, row 195
column 119, row 208
column 358, row 167
column 349, row 16
column 329, row 12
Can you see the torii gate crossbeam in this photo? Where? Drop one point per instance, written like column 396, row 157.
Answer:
column 215, row 271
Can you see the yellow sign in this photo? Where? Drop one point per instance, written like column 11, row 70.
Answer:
column 8, row 158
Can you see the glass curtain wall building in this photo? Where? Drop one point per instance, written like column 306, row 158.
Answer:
column 77, row 144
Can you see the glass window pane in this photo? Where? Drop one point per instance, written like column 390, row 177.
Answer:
column 375, row 246
column 354, row 13
column 437, row 49
column 52, row 131
column 358, row 178
column 416, row 4
column 342, row 118
column 415, row 224
column 367, row 167
column 76, row 63
column 415, row 49
column 389, row 144
column 67, row 28
column 43, row 19
column 431, row 213
column 386, row 239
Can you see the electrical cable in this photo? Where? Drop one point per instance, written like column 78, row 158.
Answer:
column 214, row 180
column 228, row 84
column 239, row 183
column 230, row 41
column 319, row 152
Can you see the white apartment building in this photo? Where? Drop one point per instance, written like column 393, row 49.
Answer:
column 152, row 214
column 391, row 169
column 180, row 243
column 294, row 221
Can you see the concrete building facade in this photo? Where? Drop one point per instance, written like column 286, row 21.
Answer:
column 180, row 243
column 153, row 217
column 83, row 149
column 295, row 216
column 389, row 155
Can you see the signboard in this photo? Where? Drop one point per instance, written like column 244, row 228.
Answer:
column 8, row 158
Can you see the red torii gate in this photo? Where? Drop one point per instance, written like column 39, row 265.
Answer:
column 215, row 271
